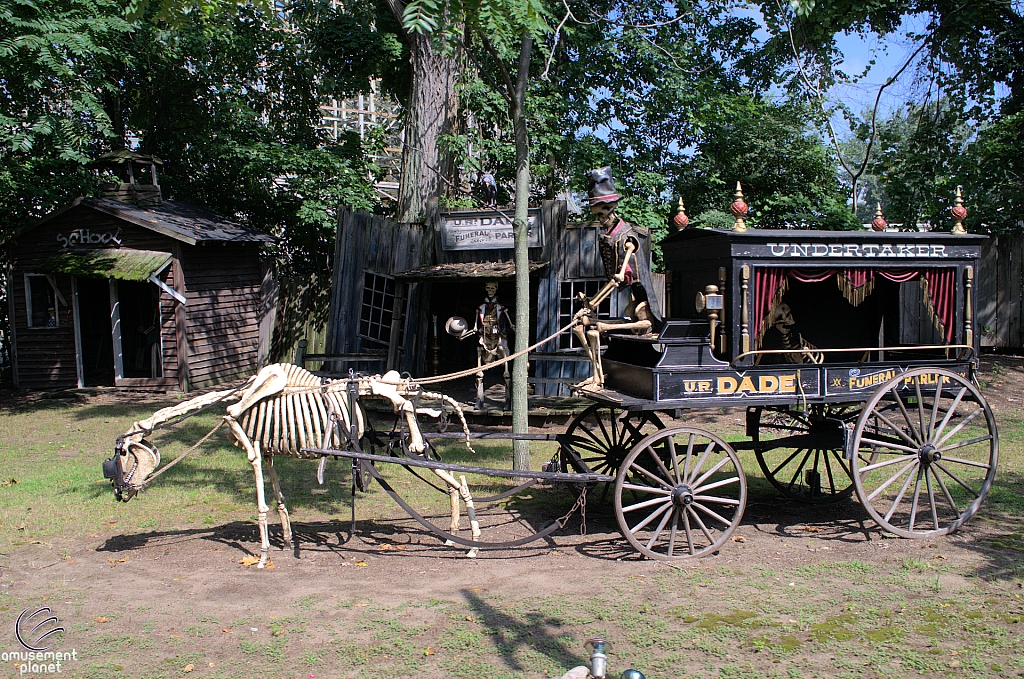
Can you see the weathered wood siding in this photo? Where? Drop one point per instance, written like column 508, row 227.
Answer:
column 223, row 284
column 367, row 242
column 998, row 291
column 46, row 356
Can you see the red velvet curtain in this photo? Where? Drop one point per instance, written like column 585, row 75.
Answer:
column 769, row 286
column 938, row 285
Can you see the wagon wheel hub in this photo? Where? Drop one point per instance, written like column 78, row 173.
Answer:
column 682, row 495
column 928, row 454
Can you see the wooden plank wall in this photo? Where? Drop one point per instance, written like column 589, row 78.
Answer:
column 998, row 291
column 371, row 242
column 223, row 286
column 46, row 356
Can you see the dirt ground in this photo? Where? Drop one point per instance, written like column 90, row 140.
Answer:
column 800, row 592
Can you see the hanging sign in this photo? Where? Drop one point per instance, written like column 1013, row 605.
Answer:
column 87, row 237
column 486, row 230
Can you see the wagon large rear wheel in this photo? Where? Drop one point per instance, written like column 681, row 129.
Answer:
column 935, row 458
column 680, row 493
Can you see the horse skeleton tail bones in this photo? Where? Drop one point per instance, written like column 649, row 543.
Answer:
column 285, row 409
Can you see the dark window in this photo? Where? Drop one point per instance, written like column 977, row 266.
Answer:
column 378, row 308
column 567, row 306
column 42, row 302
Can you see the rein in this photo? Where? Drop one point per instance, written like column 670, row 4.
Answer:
column 179, row 458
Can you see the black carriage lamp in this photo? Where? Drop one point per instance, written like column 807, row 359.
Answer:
column 959, row 214
column 739, row 210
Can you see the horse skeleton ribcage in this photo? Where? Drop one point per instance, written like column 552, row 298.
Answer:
column 299, row 416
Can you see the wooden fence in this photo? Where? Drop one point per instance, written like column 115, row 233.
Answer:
column 998, row 290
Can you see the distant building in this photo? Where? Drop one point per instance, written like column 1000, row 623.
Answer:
column 130, row 290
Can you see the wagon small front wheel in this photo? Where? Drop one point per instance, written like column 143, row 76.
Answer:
column 687, row 493
column 933, row 461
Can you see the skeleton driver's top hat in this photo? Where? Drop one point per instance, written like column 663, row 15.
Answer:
column 602, row 187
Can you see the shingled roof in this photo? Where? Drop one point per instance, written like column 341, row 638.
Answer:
column 174, row 219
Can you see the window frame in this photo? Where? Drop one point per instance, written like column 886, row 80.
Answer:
column 52, row 294
column 385, row 329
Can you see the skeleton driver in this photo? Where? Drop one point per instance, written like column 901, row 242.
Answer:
column 625, row 263
column 492, row 323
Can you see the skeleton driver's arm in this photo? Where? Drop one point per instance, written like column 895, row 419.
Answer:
column 630, row 248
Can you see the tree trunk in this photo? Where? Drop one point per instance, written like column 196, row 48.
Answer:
column 520, row 408
column 432, row 111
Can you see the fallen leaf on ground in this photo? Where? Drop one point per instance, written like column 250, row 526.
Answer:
column 213, row 664
column 270, row 565
column 249, row 560
column 9, row 483
column 189, row 667
column 812, row 529
column 739, row 538
column 400, row 547
column 361, row 605
column 101, row 619
column 361, row 563
column 429, row 651
column 386, row 548
column 226, row 630
column 124, row 560
column 470, row 618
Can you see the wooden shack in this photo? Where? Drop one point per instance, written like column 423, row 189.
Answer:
column 107, row 292
column 396, row 284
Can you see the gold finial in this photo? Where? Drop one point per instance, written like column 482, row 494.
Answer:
column 959, row 213
column 878, row 223
column 680, row 220
column 739, row 210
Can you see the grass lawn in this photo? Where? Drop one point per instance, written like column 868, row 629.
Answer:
column 155, row 587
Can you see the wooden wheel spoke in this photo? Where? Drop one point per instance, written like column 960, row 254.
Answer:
column 899, row 430
column 931, row 499
column 661, row 527
column 637, row 434
column 899, row 496
column 704, row 477
column 949, row 413
column 646, row 489
column 920, row 404
column 879, row 465
column 652, row 477
column 906, row 415
column 686, row 530
column 650, row 517
column 661, row 465
column 717, row 500
column 700, row 462
column 716, row 484
column 672, row 534
column 787, row 461
column 714, row 515
column 675, row 458
column 952, row 432
column 646, row 503
column 917, row 494
column 934, row 416
column 828, row 471
column 969, row 463
column 887, row 444
column 957, row 479
column 945, row 491
column 799, row 468
column 700, row 524
column 610, row 438
column 689, row 455
column 602, row 445
column 964, row 444
column 892, row 478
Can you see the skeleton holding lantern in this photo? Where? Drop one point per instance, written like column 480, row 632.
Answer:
column 625, row 264
column 491, row 324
